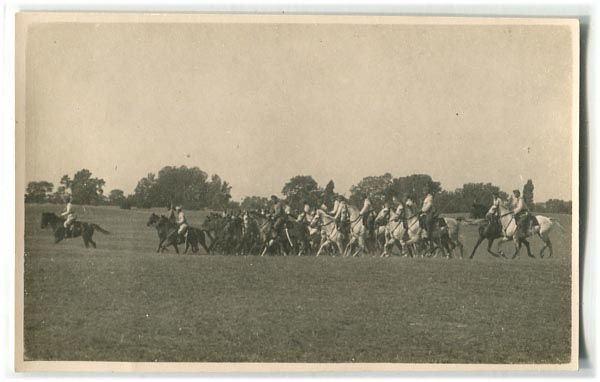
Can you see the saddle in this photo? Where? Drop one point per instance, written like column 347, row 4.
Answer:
column 441, row 222
column 72, row 230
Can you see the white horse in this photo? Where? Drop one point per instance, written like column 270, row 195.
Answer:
column 357, row 232
column 395, row 232
column 509, row 230
column 330, row 235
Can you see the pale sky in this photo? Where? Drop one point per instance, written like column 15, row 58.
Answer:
column 260, row 103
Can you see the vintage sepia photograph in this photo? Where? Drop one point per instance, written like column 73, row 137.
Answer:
column 296, row 193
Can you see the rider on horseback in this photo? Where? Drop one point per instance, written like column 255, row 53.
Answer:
column 305, row 215
column 429, row 212
column 182, row 224
column 342, row 216
column 521, row 214
column 69, row 212
column 400, row 213
column 496, row 202
column 278, row 214
column 365, row 213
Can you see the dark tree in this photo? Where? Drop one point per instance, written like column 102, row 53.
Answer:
column 116, row 197
column 145, row 194
column 413, row 184
column 300, row 188
column 377, row 187
column 254, row 203
column 528, row 193
column 186, row 186
column 329, row 194
column 38, row 192
column 84, row 188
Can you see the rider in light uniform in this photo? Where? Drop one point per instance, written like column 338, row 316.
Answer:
column 496, row 203
column 336, row 205
column 429, row 212
column 521, row 213
column 306, row 213
column 70, row 215
column 342, row 215
column 400, row 214
column 365, row 213
column 181, row 223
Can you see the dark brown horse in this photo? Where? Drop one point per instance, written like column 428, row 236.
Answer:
column 83, row 229
column 489, row 229
column 167, row 236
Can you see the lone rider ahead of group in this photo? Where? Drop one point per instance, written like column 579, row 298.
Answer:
column 70, row 215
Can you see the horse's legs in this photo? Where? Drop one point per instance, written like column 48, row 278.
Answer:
column 502, row 241
column 321, row 247
column 399, row 246
column 489, row 249
column 517, row 247
column 89, row 240
column 549, row 244
column 362, row 246
column 160, row 244
column 445, row 244
column 461, row 247
column 524, row 241
column 176, row 248
column 385, row 247
column 479, row 241
column 203, row 244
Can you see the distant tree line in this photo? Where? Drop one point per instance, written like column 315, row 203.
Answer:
column 187, row 186
column 195, row 189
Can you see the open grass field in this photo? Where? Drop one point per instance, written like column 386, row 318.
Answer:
column 124, row 302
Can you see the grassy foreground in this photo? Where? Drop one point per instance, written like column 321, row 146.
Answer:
column 123, row 302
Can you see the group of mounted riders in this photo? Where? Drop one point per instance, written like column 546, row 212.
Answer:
column 281, row 230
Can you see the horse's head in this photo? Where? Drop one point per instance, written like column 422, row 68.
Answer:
column 316, row 220
column 152, row 220
column 492, row 211
column 383, row 216
column 47, row 217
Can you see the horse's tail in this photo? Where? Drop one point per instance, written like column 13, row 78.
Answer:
column 96, row 226
column 554, row 221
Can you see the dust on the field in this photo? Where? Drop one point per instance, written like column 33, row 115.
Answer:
column 124, row 302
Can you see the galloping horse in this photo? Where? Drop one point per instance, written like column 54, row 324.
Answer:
column 357, row 232
column 381, row 221
column 167, row 229
column 83, row 229
column 448, row 237
column 268, row 236
column 509, row 230
column 394, row 231
column 330, row 235
column 491, row 230
column 314, row 234
column 250, row 239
